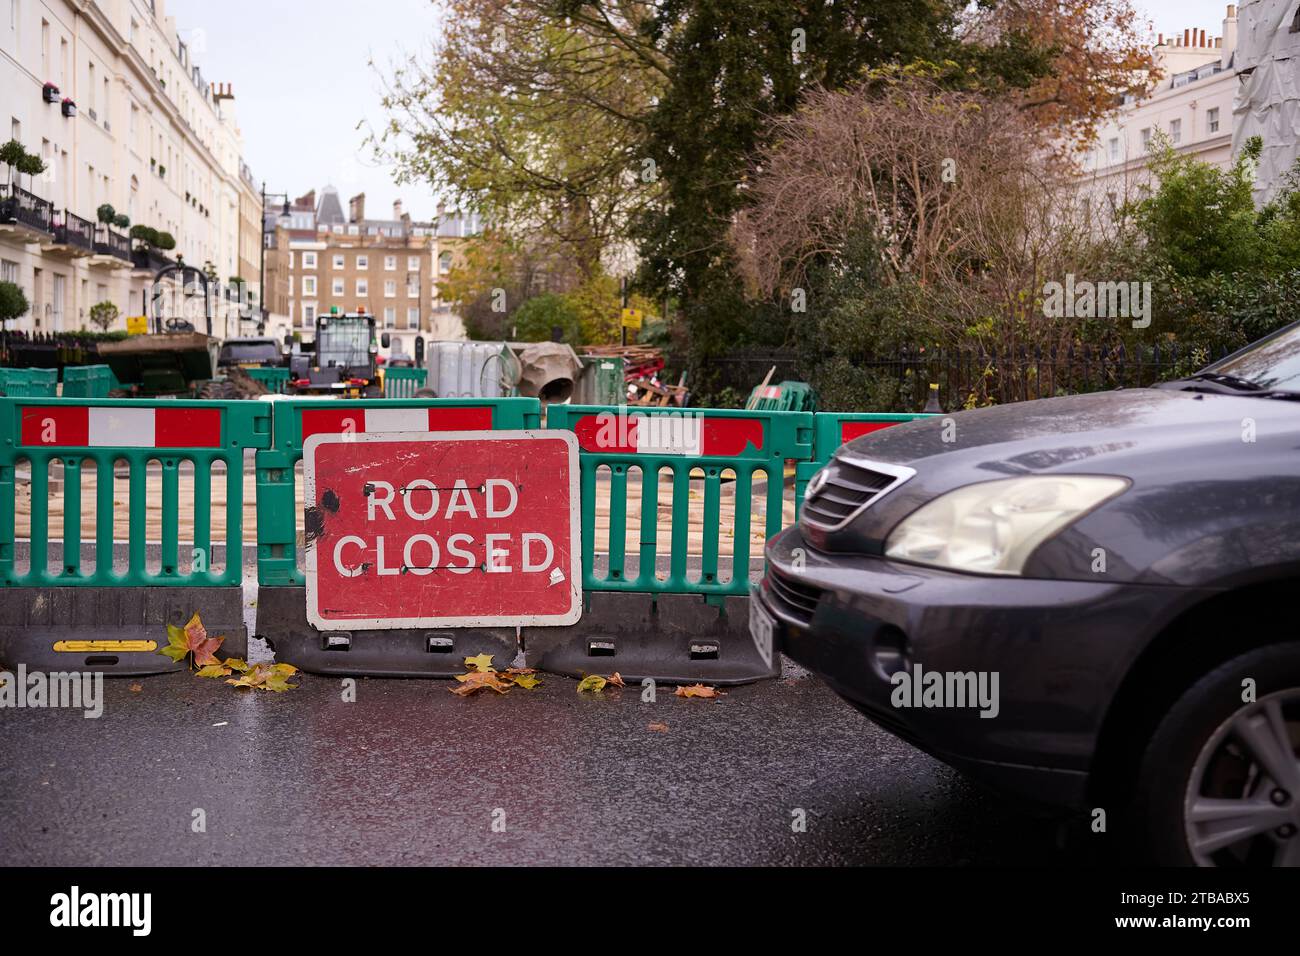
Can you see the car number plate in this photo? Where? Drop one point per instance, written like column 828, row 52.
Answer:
column 761, row 628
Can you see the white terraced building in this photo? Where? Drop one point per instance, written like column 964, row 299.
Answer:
column 107, row 93
column 1192, row 106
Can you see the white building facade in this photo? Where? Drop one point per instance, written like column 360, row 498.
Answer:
column 107, row 94
column 1192, row 107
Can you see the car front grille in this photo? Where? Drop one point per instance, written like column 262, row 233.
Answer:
column 849, row 485
column 794, row 598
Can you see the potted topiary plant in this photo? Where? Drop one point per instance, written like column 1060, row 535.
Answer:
column 103, row 315
column 30, row 165
column 106, row 214
column 121, row 221
column 149, row 241
column 11, row 154
column 13, row 303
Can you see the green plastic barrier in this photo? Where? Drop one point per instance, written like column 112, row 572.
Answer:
column 404, row 382
column 833, row 429
column 29, row 382
column 274, row 380
column 682, row 440
column 102, row 433
column 295, row 420
column 87, row 381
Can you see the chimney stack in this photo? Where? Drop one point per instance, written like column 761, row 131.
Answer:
column 397, row 209
column 357, row 208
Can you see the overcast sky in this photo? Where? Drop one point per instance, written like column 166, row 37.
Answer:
column 302, row 83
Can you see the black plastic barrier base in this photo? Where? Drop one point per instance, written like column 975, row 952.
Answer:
column 282, row 623
column 98, row 629
column 671, row 638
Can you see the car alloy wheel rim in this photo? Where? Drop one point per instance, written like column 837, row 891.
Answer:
column 1242, row 805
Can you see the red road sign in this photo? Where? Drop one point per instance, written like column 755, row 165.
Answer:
column 442, row 529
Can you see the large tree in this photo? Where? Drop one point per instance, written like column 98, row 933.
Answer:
column 532, row 115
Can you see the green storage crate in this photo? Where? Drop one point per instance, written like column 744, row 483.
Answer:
column 29, row 382
column 603, row 381
column 404, row 382
column 87, row 381
column 275, row 380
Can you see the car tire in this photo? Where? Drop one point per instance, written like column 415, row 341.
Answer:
column 1202, row 751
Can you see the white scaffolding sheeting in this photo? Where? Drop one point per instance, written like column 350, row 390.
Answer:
column 1267, row 104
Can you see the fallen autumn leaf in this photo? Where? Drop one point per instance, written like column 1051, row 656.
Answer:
column 592, row 682
column 477, row 680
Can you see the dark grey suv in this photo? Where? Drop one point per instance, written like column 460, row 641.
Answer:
column 1092, row 600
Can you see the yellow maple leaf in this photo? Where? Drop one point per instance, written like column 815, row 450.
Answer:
column 592, row 682
column 477, row 680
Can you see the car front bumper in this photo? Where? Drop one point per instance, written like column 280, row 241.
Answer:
column 1054, row 653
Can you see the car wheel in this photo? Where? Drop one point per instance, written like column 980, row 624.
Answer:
column 1219, row 784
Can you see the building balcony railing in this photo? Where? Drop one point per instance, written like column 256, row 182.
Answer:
column 149, row 259
column 75, row 231
column 18, row 206
column 110, row 243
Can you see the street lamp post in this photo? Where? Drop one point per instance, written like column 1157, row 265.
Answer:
column 282, row 220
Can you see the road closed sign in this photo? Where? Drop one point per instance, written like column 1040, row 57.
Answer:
column 443, row 529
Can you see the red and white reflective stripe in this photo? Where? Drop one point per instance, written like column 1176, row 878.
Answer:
column 359, row 421
column 772, row 391
column 120, row 427
column 852, row 430
column 672, row 434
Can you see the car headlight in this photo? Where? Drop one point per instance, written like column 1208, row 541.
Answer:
column 994, row 526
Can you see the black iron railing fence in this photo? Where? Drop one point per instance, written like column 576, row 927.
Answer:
column 72, row 230
column 19, row 205
column 110, row 243
column 19, row 349
column 971, row 377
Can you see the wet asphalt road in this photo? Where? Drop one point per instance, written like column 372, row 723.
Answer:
column 411, row 774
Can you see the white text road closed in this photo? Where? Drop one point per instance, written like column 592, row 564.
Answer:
column 442, row 529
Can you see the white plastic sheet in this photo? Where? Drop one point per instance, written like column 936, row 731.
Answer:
column 1268, row 100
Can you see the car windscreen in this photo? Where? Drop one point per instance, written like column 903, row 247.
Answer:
column 343, row 343
column 237, row 353
column 1271, row 363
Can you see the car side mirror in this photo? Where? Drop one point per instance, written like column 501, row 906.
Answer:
column 385, row 340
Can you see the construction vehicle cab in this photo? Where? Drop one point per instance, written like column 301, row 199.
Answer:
column 253, row 352
column 343, row 359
